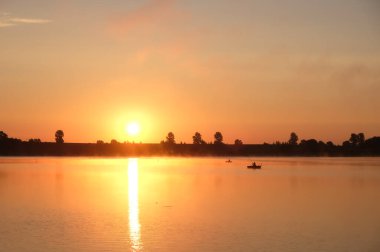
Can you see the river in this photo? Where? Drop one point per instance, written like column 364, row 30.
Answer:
column 189, row 204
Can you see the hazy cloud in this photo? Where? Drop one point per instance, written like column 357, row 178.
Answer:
column 6, row 20
column 152, row 13
column 29, row 20
column 5, row 24
column 155, row 18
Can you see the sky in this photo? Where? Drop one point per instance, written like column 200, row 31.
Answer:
column 254, row 70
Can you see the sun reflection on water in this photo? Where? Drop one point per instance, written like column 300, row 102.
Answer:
column 133, row 199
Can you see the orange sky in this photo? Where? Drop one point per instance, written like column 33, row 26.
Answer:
column 254, row 70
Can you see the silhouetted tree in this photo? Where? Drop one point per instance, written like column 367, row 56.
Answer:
column 197, row 138
column 330, row 144
column 59, row 136
column 293, row 140
column 218, row 138
column 361, row 138
column 100, row 142
column 357, row 139
column 3, row 136
column 114, row 141
column 354, row 139
column 34, row 140
column 374, row 145
column 310, row 146
column 170, row 138
column 238, row 142
column 346, row 144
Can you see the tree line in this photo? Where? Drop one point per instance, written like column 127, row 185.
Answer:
column 355, row 140
column 355, row 145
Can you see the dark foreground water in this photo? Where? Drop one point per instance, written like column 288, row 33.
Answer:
column 189, row 204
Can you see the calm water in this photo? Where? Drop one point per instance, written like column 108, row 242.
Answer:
column 189, row 204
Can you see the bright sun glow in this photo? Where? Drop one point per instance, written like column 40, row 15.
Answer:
column 133, row 129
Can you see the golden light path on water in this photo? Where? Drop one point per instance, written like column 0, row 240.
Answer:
column 133, row 200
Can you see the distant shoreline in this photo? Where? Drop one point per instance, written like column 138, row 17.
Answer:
column 188, row 150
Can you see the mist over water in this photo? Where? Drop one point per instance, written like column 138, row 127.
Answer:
column 189, row 204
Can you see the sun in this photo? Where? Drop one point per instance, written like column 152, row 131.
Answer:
column 133, row 128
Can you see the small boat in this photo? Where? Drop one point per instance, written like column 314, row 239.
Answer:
column 228, row 161
column 254, row 166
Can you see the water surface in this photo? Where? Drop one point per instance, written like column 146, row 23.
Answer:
column 189, row 204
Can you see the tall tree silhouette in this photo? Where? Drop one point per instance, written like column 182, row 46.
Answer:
column 357, row 139
column 354, row 139
column 3, row 136
column 59, row 136
column 238, row 142
column 293, row 140
column 361, row 138
column 197, row 138
column 218, row 138
column 170, row 138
